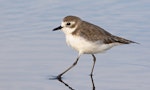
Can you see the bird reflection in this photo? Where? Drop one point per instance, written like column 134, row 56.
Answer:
column 66, row 84
column 71, row 88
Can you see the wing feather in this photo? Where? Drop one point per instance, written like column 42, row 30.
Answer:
column 92, row 32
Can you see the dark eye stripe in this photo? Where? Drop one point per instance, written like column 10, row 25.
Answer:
column 68, row 24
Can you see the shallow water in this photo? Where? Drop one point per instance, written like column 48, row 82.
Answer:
column 30, row 53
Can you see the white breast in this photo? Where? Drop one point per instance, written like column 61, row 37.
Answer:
column 84, row 46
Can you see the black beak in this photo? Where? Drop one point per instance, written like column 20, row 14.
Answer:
column 58, row 28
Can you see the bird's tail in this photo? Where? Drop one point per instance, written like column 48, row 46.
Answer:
column 122, row 40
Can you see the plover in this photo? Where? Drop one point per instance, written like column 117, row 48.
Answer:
column 87, row 38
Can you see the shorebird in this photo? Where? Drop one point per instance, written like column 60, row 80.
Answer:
column 87, row 38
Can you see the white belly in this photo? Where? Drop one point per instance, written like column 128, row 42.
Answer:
column 84, row 46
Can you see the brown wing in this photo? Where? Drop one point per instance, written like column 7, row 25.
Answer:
column 95, row 33
column 113, row 39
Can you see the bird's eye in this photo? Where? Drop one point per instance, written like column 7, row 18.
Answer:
column 68, row 24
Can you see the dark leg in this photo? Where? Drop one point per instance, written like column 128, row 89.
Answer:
column 59, row 76
column 94, row 59
column 92, row 82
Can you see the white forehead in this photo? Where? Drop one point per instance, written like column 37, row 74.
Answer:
column 67, row 30
column 63, row 23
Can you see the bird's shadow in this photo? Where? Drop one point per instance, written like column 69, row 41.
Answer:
column 67, row 84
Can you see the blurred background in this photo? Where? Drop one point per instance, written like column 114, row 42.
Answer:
column 30, row 53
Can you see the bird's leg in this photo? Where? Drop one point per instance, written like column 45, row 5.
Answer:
column 59, row 76
column 94, row 59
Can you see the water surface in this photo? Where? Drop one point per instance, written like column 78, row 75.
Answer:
column 30, row 53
